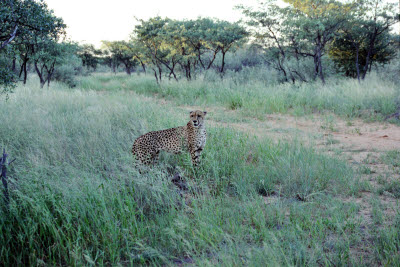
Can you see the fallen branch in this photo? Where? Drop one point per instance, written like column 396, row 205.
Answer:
column 3, row 175
column 394, row 115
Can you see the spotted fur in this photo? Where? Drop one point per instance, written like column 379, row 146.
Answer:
column 191, row 137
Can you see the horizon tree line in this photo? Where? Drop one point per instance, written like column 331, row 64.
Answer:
column 354, row 35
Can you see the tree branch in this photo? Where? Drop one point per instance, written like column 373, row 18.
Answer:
column 12, row 36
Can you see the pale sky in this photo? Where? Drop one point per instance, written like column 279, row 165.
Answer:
column 90, row 21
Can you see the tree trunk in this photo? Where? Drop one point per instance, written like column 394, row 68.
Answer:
column 201, row 62
column 143, row 66
column 282, row 69
column 318, row 59
column 189, row 76
column 321, row 74
column 159, row 73
column 13, row 67
column 40, row 74
column 370, row 49
column 316, row 67
column 155, row 75
column 3, row 175
column 25, row 73
column 223, row 61
column 172, row 72
column 357, row 64
column 50, row 73
column 128, row 69
column 212, row 60
column 23, row 67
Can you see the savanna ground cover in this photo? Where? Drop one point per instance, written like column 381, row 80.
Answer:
column 291, row 175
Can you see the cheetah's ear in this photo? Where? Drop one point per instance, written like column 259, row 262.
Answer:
column 191, row 112
column 205, row 113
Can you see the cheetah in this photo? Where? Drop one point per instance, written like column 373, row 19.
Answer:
column 191, row 137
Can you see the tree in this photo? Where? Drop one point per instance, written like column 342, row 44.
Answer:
column 109, row 59
column 7, row 77
column 22, row 21
column 366, row 39
column 313, row 24
column 47, row 56
column 123, row 52
column 185, row 44
column 198, row 37
column 302, row 29
column 89, row 55
column 266, row 25
column 228, row 35
column 151, row 35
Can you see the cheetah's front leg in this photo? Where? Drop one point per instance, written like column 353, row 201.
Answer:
column 196, row 156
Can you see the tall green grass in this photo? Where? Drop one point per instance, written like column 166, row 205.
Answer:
column 371, row 99
column 76, row 198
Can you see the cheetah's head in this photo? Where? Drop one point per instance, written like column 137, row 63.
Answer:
column 197, row 117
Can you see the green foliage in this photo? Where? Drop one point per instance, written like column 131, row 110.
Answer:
column 302, row 29
column 366, row 39
column 189, row 44
column 68, row 69
column 89, row 55
column 48, row 56
column 29, row 19
column 390, row 71
column 244, row 57
column 355, row 33
column 122, row 52
column 26, row 27
column 7, row 77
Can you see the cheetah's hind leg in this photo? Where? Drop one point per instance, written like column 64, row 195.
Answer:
column 155, row 158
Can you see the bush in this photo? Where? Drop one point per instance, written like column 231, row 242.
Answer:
column 8, row 79
column 246, row 57
column 67, row 72
column 391, row 71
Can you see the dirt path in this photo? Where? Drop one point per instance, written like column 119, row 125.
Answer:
column 351, row 135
